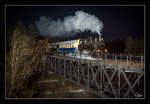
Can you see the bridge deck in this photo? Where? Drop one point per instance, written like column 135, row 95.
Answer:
column 134, row 65
column 125, row 63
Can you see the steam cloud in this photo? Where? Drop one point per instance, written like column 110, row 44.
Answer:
column 71, row 25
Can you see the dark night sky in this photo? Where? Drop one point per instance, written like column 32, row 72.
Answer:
column 119, row 21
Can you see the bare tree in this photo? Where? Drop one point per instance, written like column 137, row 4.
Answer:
column 31, row 30
column 23, row 58
column 16, row 54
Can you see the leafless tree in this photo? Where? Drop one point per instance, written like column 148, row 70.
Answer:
column 18, row 43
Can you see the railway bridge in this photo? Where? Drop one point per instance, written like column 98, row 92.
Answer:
column 105, row 78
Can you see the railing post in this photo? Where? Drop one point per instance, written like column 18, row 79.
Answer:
column 113, row 56
column 55, row 64
column 141, row 59
column 130, row 57
column 78, row 73
column 64, row 68
column 59, row 66
column 101, row 75
column 106, row 57
column 51, row 64
column 48, row 63
column 119, row 69
column 88, row 74
column 120, row 58
column 70, row 69
column 127, row 59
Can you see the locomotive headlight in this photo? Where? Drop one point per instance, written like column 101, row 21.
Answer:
column 98, row 50
column 105, row 50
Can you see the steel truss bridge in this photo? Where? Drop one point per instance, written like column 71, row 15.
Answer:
column 106, row 80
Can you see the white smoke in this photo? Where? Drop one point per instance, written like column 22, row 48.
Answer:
column 80, row 22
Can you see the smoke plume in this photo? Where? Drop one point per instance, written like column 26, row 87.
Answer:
column 71, row 25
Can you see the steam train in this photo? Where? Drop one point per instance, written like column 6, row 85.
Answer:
column 92, row 46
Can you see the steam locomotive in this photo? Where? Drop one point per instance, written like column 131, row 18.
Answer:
column 92, row 46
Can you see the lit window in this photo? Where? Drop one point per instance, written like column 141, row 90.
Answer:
column 71, row 45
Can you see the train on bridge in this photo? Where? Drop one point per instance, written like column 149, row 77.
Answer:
column 91, row 46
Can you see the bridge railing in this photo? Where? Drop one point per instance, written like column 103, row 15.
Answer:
column 119, row 58
column 124, row 59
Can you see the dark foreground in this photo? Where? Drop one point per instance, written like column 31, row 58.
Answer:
column 50, row 85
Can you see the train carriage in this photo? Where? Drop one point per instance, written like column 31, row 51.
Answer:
column 78, row 46
column 67, row 46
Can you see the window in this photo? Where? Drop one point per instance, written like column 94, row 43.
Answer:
column 70, row 45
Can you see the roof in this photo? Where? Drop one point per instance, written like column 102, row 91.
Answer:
column 65, row 42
